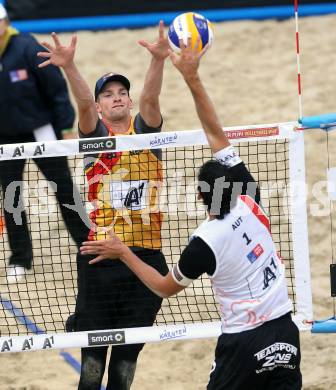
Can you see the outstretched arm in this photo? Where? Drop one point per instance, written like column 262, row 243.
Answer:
column 114, row 248
column 63, row 56
column 188, row 63
column 149, row 99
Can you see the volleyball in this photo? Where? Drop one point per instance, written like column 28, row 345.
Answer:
column 191, row 25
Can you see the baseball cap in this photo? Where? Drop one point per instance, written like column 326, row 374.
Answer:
column 111, row 77
column 3, row 12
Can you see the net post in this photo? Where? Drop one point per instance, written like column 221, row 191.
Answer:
column 298, row 211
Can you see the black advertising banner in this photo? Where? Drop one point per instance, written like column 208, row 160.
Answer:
column 46, row 9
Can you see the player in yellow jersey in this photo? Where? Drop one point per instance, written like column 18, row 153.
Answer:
column 123, row 188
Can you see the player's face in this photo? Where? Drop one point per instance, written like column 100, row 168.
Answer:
column 3, row 27
column 114, row 103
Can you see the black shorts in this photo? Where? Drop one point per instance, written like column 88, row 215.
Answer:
column 111, row 296
column 265, row 358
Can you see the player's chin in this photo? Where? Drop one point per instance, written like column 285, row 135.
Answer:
column 119, row 113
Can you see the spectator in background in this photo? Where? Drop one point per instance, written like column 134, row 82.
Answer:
column 34, row 106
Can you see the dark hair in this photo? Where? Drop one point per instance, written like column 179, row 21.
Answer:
column 220, row 186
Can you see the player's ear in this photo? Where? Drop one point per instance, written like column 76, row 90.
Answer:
column 98, row 107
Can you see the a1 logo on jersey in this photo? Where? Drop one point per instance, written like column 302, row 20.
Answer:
column 255, row 253
column 132, row 195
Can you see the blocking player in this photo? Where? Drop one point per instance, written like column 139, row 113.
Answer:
column 124, row 197
column 259, row 347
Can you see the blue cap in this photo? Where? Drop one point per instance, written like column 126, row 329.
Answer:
column 111, row 77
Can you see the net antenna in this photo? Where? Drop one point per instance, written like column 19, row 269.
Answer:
column 298, row 63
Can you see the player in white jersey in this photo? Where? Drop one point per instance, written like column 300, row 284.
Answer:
column 259, row 348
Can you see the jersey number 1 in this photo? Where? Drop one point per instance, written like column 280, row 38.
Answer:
column 248, row 240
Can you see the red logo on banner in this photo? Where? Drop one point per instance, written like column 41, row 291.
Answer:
column 252, row 133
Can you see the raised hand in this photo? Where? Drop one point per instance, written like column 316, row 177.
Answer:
column 158, row 49
column 187, row 62
column 58, row 54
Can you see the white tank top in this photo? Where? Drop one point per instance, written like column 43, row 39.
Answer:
column 249, row 280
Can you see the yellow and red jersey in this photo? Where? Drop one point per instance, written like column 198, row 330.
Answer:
column 124, row 189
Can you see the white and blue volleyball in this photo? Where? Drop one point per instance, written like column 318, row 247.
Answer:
column 191, row 25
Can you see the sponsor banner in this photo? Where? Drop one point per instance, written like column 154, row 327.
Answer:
column 38, row 149
column 31, row 343
column 176, row 333
column 104, row 338
column 143, row 141
column 96, row 145
column 268, row 355
column 163, row 140
column 253, row 132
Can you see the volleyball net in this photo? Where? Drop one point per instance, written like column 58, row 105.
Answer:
column 35, row 309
